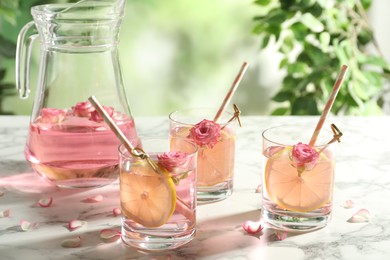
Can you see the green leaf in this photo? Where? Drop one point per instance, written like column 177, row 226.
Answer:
column 297, row 69
column 325, row 40
column 7, row 48
column 283, row 63
column 312, row 23
column 305, row 105
column 283, row 96
column 263, row 2
column 360, row 90
column 316, row 10
column 299, row 30
column 265, row 41
column 280, row 111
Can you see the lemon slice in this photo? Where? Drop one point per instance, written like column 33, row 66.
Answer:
column 147, row 197
column 304, row 193
column 216, row 165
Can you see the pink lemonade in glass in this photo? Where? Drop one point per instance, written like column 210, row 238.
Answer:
column 158, row 208
column 215, row 159
column 76, row 150
column 297, row 181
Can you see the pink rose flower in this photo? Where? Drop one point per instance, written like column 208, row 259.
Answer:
column 205, row 133
column 83, row 109
column 95, row 116
column 52, row 115
column 173, row 160
column 304, row 155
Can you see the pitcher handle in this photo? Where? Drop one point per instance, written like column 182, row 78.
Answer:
column 23, row 56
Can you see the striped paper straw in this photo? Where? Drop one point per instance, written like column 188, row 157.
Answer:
column 233, row 89
column 329, row 104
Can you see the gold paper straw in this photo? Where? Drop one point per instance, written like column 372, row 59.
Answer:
column 233, row 89
column 329, row 104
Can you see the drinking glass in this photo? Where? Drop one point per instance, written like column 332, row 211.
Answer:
column 216, row 153
column 298, row 179
column 158, row 195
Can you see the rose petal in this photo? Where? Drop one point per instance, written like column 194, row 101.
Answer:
column 97, row 198
column 75, row 224
column 348, row 204
column 252, row 227
column 1, row 193
column 116, row 212
column 5, row 213
column 258, row 188
column 25, row 225
column 72, row 242
column 280, row 235
column 109, row 235
column 363, row 215
column 45, row 202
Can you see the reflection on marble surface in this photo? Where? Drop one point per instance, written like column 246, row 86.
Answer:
column 362, row 175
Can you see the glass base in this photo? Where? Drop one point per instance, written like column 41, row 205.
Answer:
column 215, row 193
column 145, row 241
column 286, row 220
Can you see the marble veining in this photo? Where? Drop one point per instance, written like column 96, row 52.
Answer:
column 362, row 175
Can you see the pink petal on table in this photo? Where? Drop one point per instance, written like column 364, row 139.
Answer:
column 363, row 215
column 72, row 242
column 110, row 235
column 44, row 203
column 116, row 212
column 258, row 188
column 5, row 213
column 280, row 235
column 348, row 204
column 75, row 224
column 252, row 227
column 25, row 225
column 97, row 198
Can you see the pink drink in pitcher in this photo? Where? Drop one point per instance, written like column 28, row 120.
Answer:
column 75, row 148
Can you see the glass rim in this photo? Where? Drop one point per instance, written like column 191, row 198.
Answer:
column 170, row 116
column 264, row 133
column 51, row 10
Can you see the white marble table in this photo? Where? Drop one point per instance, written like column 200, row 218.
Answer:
column 362, row 175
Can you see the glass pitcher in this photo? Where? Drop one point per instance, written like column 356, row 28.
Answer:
column 68, row 142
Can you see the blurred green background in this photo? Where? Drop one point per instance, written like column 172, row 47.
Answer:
column 174, row 54
column 177, row 54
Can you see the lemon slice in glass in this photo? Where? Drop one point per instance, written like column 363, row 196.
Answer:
column 304, row 193
column 147, row 197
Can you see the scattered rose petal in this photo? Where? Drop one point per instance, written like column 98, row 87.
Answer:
column 109, row 235
column 258, row 189
column 5, row 213
column 348, row 204
column 363, row 215
column 75, row 224
column 116, row 212
column 72, row 242
column 280, row 235
column 97, row 198
column 252, row 227
column 45, row 202
column 26, row 225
